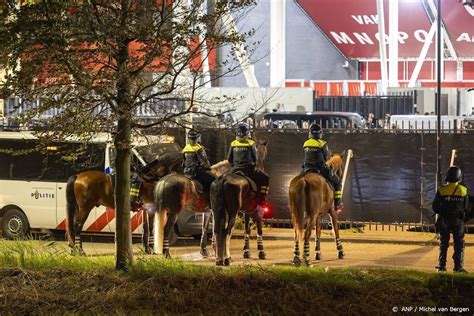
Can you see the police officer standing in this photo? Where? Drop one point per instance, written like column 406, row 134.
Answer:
column 196, row 164
column 316, row 153
column 243, row 158
column 450, row 204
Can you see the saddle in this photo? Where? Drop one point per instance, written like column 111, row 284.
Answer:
column 318, row 172
column 252, row 183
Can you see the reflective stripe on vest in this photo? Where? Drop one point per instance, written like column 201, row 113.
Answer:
column 319, row 143
column 448, row 189
column 245, row 143
column 191, row 148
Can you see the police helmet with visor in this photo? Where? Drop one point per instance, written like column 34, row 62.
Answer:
column 315, row 131
column 453, row 174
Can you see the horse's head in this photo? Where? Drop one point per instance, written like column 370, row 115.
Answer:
column 164, row 164
column 336, row 163
column 261, row 153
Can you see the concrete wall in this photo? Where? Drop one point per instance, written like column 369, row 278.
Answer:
column 309, row 55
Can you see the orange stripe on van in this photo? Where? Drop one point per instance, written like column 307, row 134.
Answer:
column 137, row 219
column 102, row 221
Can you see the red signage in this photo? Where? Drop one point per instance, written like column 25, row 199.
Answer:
column 353, row 26
column 459, row 21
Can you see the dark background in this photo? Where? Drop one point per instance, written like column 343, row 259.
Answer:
column 387, row 181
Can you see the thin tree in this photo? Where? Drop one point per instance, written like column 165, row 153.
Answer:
column 95, row 63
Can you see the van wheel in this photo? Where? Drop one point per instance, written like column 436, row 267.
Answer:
column 15, row 224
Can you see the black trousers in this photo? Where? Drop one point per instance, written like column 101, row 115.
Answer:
column 205, row 177
column 327, row 173
column 445, row 227
column 135, row 185
column 261, row 178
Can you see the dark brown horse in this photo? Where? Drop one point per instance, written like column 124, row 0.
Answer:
column 90, row 189
column 310, row 195
column 231, row 193
column 175, row 193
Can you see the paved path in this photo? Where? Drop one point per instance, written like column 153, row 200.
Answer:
column 370, row 249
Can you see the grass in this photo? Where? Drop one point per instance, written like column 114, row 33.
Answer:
column 44, row 278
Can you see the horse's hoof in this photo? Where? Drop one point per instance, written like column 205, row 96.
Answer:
column 341, row 255
column 77, row 251
column 307, row 262
column 318, row 256
column 166, row 254
column 227, row 261
column 262, row 255
column 204, row 253
column 246, row 254
column 296, row 261
column 219, row 262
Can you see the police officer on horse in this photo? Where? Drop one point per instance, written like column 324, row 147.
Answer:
column 316, row 153
column 242, row 156
column 450, row 203
column 196, row 164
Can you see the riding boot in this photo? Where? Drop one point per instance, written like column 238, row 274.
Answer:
column 338, row 205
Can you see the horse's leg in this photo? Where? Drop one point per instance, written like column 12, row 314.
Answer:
column 146, row 232
column 230, row 226
column 172, row 217
column 318, row 238
column 258, row 219
column 247, row 236
column 205, row 226
column 335, row 225
column 219, row 233
column 78, row 226
column 307, row 237
column 296, row 252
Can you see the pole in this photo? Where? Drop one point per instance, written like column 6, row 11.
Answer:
column 438, row 102
column 438, row 96
column 346, row 168
column 453, row 157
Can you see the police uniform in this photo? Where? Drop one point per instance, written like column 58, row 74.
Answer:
column 316, row 153
column 450, row 203
column 197, row 166
column 242, row 156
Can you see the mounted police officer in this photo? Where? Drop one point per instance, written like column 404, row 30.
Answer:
column 243, row 158
column 450, row 203
column 196, row 164
column 316, row 153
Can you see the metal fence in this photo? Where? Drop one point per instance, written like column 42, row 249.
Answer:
column 378, row 105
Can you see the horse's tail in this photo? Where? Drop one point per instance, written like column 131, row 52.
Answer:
column 297, row 199
column 71, row 207
column 159, row 219
column 218, row 209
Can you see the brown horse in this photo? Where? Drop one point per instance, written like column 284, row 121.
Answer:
column 231, row 193
column 174, row 193
column 310, row 195
column 90, row 189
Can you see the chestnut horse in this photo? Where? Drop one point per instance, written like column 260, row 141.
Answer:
column 90, row 189
column 231, row 193
column 310, row 195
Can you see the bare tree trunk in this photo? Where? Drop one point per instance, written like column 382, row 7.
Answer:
column 217, row 72
column 123, row 233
